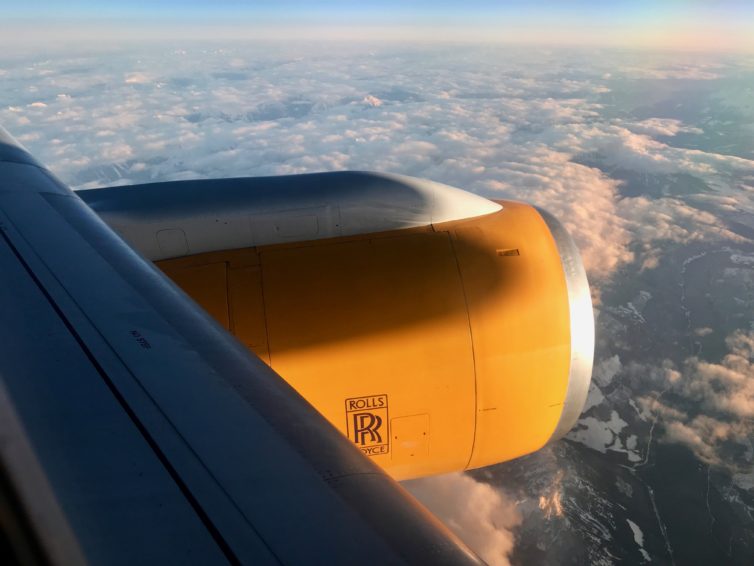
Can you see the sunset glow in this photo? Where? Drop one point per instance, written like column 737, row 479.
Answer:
column 682, row 25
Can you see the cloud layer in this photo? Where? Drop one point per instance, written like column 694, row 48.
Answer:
column 506, row 123
column 637, row 155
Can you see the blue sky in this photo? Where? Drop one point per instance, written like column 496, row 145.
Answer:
column 591, row 10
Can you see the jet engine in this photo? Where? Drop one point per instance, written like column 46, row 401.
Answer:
column 438, row 330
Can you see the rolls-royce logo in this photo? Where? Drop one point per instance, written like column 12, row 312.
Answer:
column 367, row 423
column 366, row 428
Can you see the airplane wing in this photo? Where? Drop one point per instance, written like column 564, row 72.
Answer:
column 136, row 430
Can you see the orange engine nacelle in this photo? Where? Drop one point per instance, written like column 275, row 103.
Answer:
column 439, row 348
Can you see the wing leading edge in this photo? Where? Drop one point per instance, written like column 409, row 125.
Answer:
column 160, row 437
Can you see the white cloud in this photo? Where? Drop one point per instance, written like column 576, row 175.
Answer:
column 509, row 127
column 668, row 220
column 662, row 127
column 116, row 152
column 137, row 78
column 688, row 69
column 582, row 197
column 482, row 516
column 371, row 100
column 712, row 408
column 727, row 387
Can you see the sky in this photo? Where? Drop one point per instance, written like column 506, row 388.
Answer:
column 673, row 24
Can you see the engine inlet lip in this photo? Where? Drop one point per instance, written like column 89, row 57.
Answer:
column 581, row 318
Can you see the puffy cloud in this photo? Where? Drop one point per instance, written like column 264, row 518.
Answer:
column 116, row 152
column 711, row 410
column 482, row 516
column 582, row 197
column 650, row 221
column 706, row 436
column 137, row 78
column 689, row 69
column 513, row 126
column 653, row 377
column 662, row 127
column 727, row 387
column 371, row 100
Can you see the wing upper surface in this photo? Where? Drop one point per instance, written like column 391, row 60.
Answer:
column 163, row 439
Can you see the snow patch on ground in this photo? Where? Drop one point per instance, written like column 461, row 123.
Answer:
column 606, row 370
column 605, row 435
column 594, row 398
column 593, row 433
column 638, row 538
column 642, row 412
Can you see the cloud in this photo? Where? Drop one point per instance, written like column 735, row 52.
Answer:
column 711, row 410
column 661, row 220
column 728, row 387
column 116, row 152
column 482, row 516
column 513, row 126
column 704, row 435
column 705, row 406
column 371, row 100
column 662, row 127
column 671, row 66
column 582, row 197
column 688, row 72
column 137, row 78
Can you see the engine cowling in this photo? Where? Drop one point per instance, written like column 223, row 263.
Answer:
column 435, row 346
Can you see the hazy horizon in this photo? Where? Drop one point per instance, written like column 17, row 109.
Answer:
column 678, row 25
